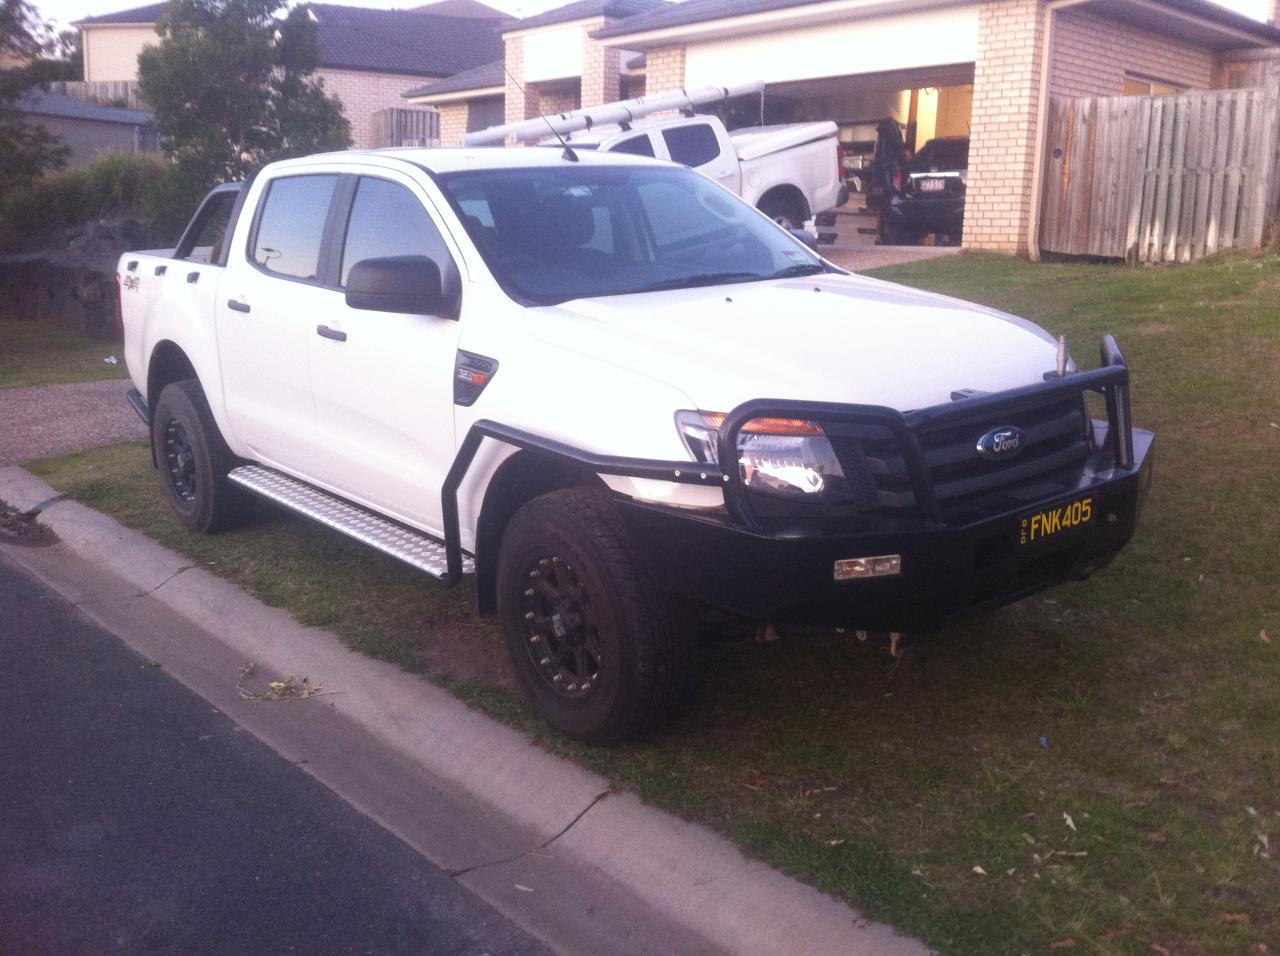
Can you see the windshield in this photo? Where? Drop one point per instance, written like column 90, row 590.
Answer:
column 576, row 231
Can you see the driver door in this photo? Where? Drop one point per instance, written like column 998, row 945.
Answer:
column 383, row 381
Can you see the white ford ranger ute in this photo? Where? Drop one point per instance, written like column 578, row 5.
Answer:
column 622, row 398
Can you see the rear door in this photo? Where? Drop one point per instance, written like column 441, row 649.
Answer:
column 384, row 388
column 276, row 289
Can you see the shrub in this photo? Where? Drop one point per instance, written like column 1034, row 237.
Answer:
column 112, row 186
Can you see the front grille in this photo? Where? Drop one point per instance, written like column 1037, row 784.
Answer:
column 965, row 485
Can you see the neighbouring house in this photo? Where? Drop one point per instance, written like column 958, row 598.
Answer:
column 981, row 68
column 550, row 62
column 88, row 129
column 368, row 58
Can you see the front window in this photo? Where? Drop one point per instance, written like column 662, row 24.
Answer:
column 559, row 233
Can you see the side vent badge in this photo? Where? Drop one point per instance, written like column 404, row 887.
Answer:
column 471, row 373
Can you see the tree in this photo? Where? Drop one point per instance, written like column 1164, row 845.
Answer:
column 63, row 56
column 231, row 84
column 26, row 150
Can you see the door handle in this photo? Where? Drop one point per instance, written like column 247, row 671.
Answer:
column 235, row 305
column 336, row 334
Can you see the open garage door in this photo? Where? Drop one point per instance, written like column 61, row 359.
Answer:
column 925, row 103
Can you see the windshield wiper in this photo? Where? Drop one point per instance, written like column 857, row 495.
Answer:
column 709, row 278
column 808, row 269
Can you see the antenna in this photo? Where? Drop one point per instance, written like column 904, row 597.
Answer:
column 568, row 153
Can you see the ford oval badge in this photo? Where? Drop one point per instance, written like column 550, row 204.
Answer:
column 1001, row 443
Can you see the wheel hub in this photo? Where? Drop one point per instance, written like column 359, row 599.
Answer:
column 562, row 637
column 180, row 460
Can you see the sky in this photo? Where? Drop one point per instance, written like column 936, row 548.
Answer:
column 67, row 11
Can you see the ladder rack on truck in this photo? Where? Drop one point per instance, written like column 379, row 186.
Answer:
column 624, row 111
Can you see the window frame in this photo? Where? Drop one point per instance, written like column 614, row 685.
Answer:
column 216, row 197
column 449, row 271
column 326, row 276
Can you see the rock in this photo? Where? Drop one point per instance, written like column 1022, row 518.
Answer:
column 73, row 287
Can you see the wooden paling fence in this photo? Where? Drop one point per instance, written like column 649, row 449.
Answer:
column 405, row 127
column 103, row 92
column 1161, row 178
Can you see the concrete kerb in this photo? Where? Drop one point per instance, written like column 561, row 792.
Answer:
column 715, row 899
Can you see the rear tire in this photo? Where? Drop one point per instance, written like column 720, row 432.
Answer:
column 193, row 459
column 596, row 642
column 783, row 213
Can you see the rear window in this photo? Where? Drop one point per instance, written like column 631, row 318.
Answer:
column 692, row 145
column 942, row 155
column 291, row 226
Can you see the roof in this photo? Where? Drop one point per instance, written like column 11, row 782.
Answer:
column 148, row 14
column 400, row 41
column 586, row 9
column 464, row 158
column 417, row 43
column 481, row 78
column 40, row 102
column 462, row 8
column 704, row 11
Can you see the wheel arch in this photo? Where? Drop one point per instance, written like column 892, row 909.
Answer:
column 519, row 479
column 789, row 194
column 168, row 364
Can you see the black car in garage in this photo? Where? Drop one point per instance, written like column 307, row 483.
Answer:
column 932, row 197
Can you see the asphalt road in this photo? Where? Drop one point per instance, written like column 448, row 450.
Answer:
column 136, row 819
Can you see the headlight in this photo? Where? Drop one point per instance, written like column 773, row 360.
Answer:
column 783, row 457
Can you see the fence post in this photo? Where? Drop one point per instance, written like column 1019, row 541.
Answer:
column 1260, row 215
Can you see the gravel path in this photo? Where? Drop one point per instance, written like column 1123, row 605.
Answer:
column 46, row 420
column 860, row 259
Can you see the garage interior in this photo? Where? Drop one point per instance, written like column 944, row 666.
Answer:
column 926, row 103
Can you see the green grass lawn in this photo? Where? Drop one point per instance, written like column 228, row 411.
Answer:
column 35, row 353
column 1094, row 770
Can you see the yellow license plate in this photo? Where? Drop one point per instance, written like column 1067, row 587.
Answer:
column 1052, row 522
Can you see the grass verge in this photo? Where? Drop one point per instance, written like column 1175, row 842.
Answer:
column 1093, row 770
column 34, row 353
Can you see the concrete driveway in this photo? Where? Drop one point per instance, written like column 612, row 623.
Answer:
column 862, row 258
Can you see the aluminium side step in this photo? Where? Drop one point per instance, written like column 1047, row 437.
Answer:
column 412, row 547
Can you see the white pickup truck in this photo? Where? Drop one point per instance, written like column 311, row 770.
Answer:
column 790, row 173
column 618, row 395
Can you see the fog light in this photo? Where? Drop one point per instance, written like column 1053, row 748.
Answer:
column 877, row 567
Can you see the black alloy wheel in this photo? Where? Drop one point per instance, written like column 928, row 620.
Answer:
column 180, row 460
column 562, row 633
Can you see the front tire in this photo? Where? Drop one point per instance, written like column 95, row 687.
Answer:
column 193, row 459
column 595, row 641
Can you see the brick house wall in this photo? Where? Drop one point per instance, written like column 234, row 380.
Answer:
column 519, row 106
column 664, row 68
column 363, row 94
column 453, row 122
column 601, row 67
column 1003, row 128
column 560, row 100
column 1092, row 54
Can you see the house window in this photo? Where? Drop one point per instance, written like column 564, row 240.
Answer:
column 485, row 112
column 1145, row 86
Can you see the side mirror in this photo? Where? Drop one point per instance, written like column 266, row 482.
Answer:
column 408, row 284
column 808, row 238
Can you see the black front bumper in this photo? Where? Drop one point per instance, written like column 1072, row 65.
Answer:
column 947, row 572
column 953, row 561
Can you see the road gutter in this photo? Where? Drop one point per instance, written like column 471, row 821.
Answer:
column 547, row 843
